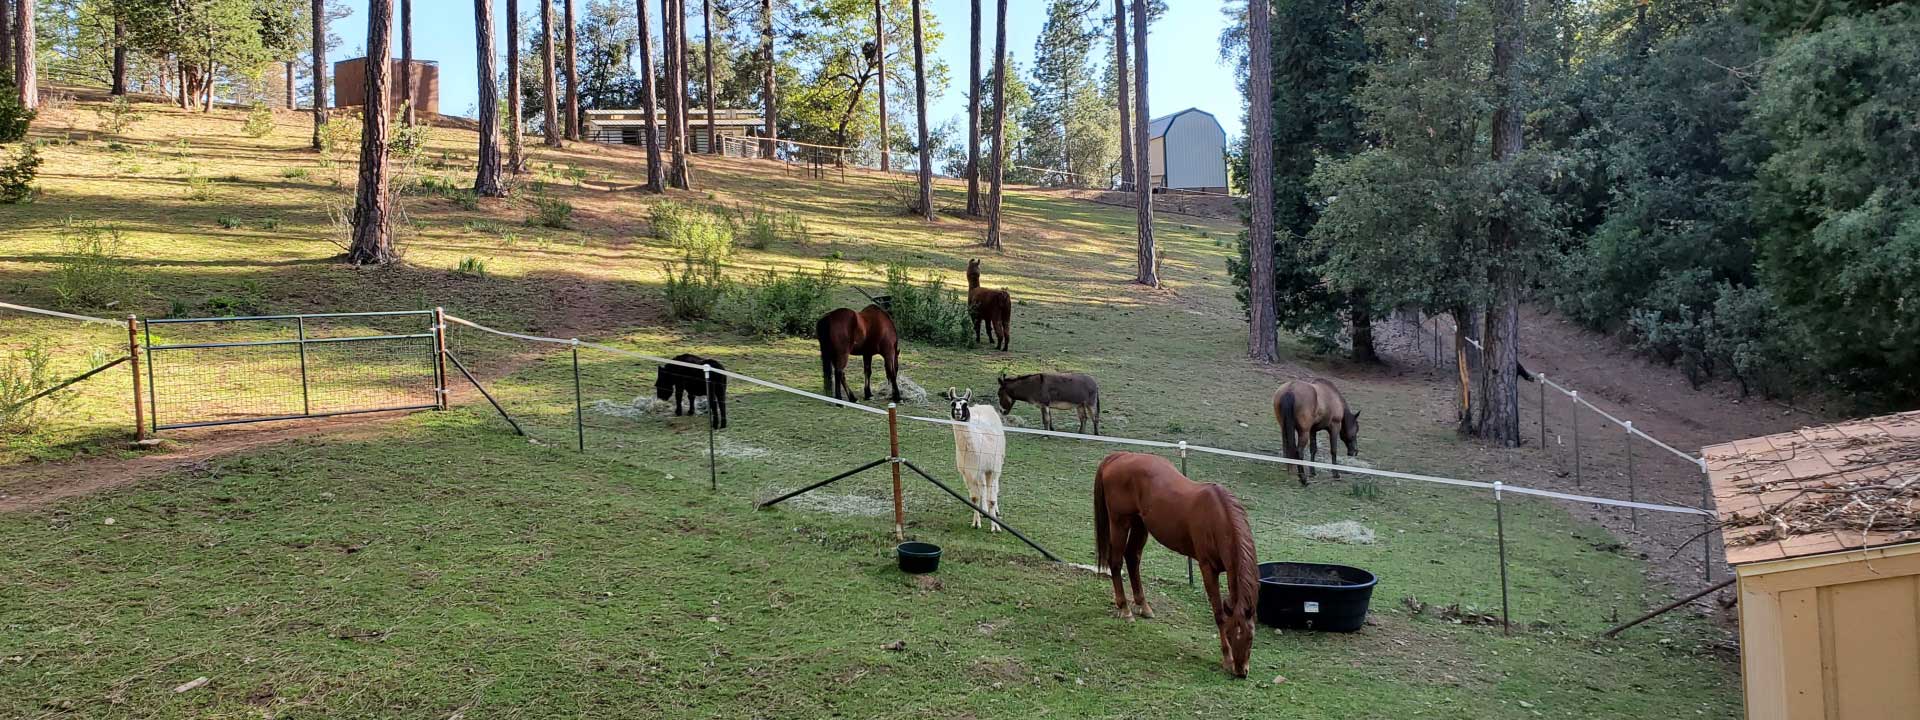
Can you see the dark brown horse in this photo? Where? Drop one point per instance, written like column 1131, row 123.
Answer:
column 994, row 308
column 867, row 333
column 1306, row 407
column 1136, row 495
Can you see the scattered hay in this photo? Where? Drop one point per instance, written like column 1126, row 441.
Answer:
column 911, row 392
column 727, row 447
column 642, row 407
column 1346, row 532
column 854, row 505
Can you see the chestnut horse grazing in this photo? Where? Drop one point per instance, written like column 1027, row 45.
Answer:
column 867, row 333
column 992, row 307
column 1306, row 407
column 1136, row 495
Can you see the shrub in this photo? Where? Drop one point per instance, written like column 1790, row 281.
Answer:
column 200, row 189
column 117, row 116
column 471, row 265
column 295, row 173
column 14, row 116
column 93, row 274
column 763, row 228
column 693, row 230
column 20, row 377
column 695, row 291
column 230, row 222
column 776, row 304
column 259, row 121
column 551, row 212
column 17, row 174
column 928, row 310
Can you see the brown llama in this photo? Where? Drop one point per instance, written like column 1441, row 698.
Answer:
column 994, row 308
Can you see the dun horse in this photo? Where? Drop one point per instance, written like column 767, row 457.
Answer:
column 1136, row 495
column 1051, row 391
column 1306, row 407
column 867, row 333
column 994, row 308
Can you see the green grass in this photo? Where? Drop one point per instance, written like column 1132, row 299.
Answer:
column 439, row 564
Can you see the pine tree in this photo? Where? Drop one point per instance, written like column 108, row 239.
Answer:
column 486, row 182
column 372, row 211
column 920, row 108
column 319, row 69
column 516, row 119
column 973, row 114
column 648, row 101
column 1147, row 256
column 769, row 101
column 999, row 159
column 1262, row 325
column 549, row 84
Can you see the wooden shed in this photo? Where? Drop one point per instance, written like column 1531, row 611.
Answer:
column 1188, row 151
column 1822, row 526
column 629, row 127
column 350, row 85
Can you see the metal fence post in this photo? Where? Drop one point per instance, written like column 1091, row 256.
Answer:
column 1543, row 409
column 1706, row 521
column 1183, row 471
column 1633, row 485
column 579, row 415
column 1576, row 437
column 713, row 417
column 439, row 354
column 1500, row 529
column 306, row 395
column 139, row 402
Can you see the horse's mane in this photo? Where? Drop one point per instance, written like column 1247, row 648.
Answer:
column 1243, row 572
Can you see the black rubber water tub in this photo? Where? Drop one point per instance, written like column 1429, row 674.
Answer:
column 1314, row 596
column 918, row 557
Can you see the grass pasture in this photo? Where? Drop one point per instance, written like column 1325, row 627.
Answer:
column 436, row 565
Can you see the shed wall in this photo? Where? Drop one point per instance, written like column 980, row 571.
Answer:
column 1832, row 637
column 1196, row 153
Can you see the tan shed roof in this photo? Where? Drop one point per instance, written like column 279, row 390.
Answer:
column 1819, row 489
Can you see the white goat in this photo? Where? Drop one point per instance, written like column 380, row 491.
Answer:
column 979, row 449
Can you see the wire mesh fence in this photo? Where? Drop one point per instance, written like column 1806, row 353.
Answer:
column 218, row 371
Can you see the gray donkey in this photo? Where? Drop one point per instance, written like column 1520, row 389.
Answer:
column 1054, row 390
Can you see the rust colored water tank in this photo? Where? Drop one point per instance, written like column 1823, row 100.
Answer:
column 349, row 84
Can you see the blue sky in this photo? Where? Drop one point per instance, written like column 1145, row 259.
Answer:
column 1184, row 49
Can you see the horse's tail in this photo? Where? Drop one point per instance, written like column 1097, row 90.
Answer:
column 823, row 330
column 1096, row 411
column 1100, row 531
column 1289, row 424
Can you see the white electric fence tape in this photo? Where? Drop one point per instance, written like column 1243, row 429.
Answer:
column 1112, row 439
column 58, row 314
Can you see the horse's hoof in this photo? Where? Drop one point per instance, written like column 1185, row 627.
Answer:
column 1146, row 611
column 1123, row 614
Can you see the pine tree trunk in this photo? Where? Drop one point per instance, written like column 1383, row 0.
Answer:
column 648, row 102
column 372, row 210
column 999, row 159
column 1464, row 361
column 920, row 108
column 679, row 175
column 770, row 103
column 1500, row 382
column 6, row 40
column 1263, row 339
column 486, row 182
column 880, row 64
column 973, row 114
column 1123, row 74
column 319, row 70
column 406, row 62
column 26, row 73
column 574, row 120
column 707, row 89
column 120, row 62
column 291, row 102
column 516, row 118
column 1147, row 256
column 549, row 84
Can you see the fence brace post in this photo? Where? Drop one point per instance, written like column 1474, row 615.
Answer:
column 139, row 401
column 579, row 416
column 713, row 475
column 893, row 455
column 439, row 354
column 1576, row 437
column 1633, row 486
column 1183, row 471
column 1500, row 528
